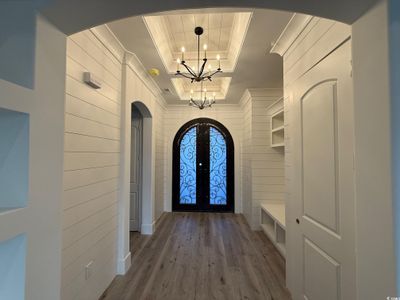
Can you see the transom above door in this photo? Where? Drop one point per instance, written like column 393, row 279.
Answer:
column 203, row 167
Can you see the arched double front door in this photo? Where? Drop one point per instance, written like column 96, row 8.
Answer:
column 203, row 167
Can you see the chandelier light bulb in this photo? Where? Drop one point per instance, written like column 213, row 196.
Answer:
column 183, row 53
column 218, row 57
column 205, row 47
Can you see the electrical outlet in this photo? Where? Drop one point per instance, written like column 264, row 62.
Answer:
column 88, row 270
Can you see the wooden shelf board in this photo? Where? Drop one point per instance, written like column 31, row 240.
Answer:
column 280, row 128
column 278, row 145
column 276, row 211
column 278, row 113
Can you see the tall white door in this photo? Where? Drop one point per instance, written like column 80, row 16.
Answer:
column 324, row 180
column 136, row 169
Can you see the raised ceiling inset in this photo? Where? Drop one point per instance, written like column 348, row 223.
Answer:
column 224, row 34
column 219, row 86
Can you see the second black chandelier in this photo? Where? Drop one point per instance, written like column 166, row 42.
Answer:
column 201, row 72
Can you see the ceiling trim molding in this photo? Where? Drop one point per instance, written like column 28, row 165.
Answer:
column 221, row 87
column 293, row 29
column 105, row 35
column 265, row 92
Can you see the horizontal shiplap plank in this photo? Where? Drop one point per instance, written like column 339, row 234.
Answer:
column 98, row 254
column 87, row 209
column 80, row 178
column 80, row 161
column 79, row 125
column 81, row 143
column 85, row 93
column 79, row 230
column 76, row 49
column 80, row 195
column 73, row 252
column 77, row 107
column 110, row 86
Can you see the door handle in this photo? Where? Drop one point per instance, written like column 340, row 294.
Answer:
column 297, row 221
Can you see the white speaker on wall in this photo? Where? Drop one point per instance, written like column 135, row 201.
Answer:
column 91, row 80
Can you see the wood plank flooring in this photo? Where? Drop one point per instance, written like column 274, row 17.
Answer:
column 201, row 256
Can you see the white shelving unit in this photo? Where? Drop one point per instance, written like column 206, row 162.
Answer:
column 273, row 224
column 277, row 122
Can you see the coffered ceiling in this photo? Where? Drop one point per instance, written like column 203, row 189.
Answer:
column 224, row 34
column 242, row 38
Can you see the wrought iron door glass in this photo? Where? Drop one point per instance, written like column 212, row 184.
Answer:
column 217, row 168
column 188, row 168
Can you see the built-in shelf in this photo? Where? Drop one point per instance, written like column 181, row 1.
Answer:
column 273, row 224
column 14, row 159
column 277, row 121
column 280, row 128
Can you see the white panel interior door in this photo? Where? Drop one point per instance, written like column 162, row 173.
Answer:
column 136, row 170
column 323, row 181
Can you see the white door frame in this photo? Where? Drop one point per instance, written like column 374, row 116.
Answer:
column 147, row 205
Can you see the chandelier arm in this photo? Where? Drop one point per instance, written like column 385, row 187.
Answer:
column 184, row 75
column 215, row 72
column 202, row 67
column 189, row 70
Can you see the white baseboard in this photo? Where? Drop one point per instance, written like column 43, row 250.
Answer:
column 124, row 264
column 147, row 228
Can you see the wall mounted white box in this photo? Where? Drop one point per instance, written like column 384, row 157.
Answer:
column 91, row 80
column 12, row 266
column 14, row 159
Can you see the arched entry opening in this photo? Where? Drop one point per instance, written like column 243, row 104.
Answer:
column 203, row 167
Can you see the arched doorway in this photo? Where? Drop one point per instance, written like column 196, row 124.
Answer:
column 203, row 167
column 136, row 181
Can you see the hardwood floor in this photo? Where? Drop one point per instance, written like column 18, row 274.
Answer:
column 202, row 256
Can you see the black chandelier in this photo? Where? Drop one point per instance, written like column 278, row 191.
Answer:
column 203, row 101
column 197, row 75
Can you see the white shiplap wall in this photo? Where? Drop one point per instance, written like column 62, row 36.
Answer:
column 92, row 161
column 267, row 165
column 91, row 167
column 263, row 166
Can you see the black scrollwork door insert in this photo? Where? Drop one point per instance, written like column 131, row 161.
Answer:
column 203, row 167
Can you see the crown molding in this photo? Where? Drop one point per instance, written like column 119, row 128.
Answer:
column 105, row 35
column 265, row 92
column 109, row 41
column 293, row 29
